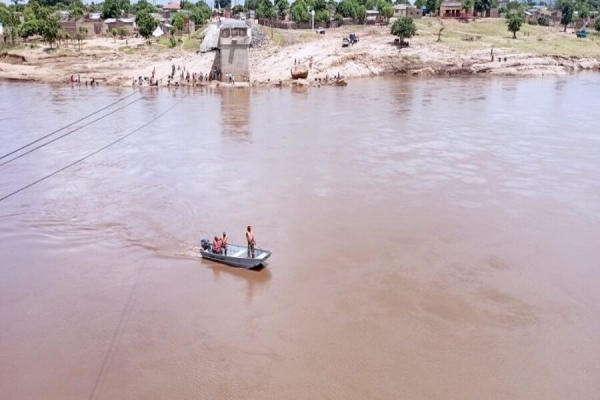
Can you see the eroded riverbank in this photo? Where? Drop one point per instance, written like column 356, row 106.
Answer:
column 465, row 49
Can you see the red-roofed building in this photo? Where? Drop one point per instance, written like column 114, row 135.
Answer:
column 172, row 7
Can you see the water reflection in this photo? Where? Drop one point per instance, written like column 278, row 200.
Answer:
column 235, row 113
column 254, row 278
column 403, row 97
column 299, row 89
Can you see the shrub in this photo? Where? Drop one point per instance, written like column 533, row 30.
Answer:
column 543, row 21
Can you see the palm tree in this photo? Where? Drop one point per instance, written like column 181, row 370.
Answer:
column 82, row 34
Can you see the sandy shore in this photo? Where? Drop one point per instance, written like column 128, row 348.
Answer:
column 464, row 49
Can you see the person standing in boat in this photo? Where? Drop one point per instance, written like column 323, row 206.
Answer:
column 224, row 243
column 216, row 247
column 251, row 242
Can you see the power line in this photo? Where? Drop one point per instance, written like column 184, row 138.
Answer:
column 65, row 127
column 68, row 133
column 92, row 154
column 73, row 123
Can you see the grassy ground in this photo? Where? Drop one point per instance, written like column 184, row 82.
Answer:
column 487, row 32
column 165, row 41
column 191, row 44
column 277, row 38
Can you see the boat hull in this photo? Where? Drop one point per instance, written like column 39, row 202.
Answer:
column 234, row 257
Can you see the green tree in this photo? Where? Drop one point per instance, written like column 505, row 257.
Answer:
column 282, row 7
column 50, row 30
column 432, row 5
column 114, row 34
column 387, row 12
column 419, row 4
column 361, row 13
column 251, row 4
column 35, row 11
column 80, row 36
column 371, row 4
column 29, row 28
column 125, row 6
column 266, row 9
column 111, row 9
column 347, row 8
column 467, row 5
column 93, row 7
column 322, row 16
column 319, row 5
column 597, row 24
column 583, row 11
column 144, row 6
column 198, row 16
column 299, row 12
column 543, row 21
column 568, row 9
column 222, row 3
column 67, row 37
column 200, row 13
column 332, row 6
column 514, row 22
column 123, row 32
column 237, row 9
column 404, row 28
column 178, row 22
column 146, row 24
column 76, row 12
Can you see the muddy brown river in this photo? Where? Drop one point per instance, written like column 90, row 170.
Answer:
column 432, row 239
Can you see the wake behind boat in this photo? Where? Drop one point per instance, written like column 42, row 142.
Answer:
column 237, row 256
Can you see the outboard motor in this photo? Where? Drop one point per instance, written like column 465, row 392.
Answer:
column 205, row 243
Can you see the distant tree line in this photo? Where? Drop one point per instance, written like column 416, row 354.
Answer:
column 300, row 10
column 40, row 17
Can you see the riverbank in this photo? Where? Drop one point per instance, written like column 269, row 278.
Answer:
column 465, row 48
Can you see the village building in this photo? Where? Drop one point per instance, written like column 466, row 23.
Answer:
column 373, row 17
column 453, row 9
column 171, row 9
column 72, row 26
column 116, row 23
column 406, row 10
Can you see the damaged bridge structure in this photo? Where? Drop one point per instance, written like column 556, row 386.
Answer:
column 230, row 39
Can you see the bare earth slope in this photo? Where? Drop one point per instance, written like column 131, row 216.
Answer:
column 465, row 48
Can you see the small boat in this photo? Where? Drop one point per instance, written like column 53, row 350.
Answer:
column 237, row 256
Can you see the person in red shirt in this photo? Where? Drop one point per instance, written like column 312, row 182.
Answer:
column 216, row 247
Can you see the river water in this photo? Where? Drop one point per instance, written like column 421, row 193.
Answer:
column 432, row 239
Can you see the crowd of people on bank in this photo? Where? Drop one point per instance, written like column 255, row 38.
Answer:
column 180, row 75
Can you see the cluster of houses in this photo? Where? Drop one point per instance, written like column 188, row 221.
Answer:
column 536, row 12
column 448, row 9
column 96, row 26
